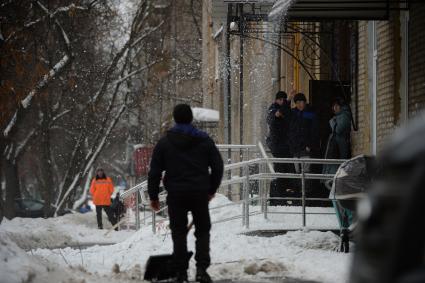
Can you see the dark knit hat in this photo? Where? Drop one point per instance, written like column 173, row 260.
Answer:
column 340, row 100
column 281, row 94
column 300, row 97
column 183, row 114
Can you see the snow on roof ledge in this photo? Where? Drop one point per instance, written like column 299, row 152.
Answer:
column 205, row 115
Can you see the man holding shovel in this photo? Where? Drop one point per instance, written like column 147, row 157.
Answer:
column 193, row 170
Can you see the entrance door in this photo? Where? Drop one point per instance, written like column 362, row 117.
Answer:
column 322, row 94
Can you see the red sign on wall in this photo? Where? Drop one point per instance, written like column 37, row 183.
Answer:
column 142, row 159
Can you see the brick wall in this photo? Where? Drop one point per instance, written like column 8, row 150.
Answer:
column 416, row 59
column 386, row 81
column 388, row 97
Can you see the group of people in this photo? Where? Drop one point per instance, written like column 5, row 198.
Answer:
column 294, row 133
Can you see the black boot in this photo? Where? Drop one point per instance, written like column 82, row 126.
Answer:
column 181, row 277
column 202, row 276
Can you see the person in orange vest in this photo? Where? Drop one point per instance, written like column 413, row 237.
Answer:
column 101, row 189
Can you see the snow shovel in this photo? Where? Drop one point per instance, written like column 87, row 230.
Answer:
column 161, row 267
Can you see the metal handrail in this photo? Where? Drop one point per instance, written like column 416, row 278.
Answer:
column 141, row 186
column 241, row 164
column 266, row 176
column 246, row 178
column 222, row 147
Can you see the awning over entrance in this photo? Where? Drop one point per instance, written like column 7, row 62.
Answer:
column 314, row 10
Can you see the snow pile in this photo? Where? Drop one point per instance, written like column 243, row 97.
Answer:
column 300, row 254
column 205, row 115
column 77, row 230
column 16, row 265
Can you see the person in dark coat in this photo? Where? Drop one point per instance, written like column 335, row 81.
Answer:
column 278, row 122
column 303, row 131
column 193, row 170
column 278, row 116
column 341, row 129
column 339, row 144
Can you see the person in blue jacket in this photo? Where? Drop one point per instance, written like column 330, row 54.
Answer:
column 303, row 131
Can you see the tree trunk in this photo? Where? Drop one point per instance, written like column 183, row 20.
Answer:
column 46, row 172
column 10, row 171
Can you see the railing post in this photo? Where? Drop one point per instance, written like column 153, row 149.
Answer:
column 262, row 187
column 153, row 222
column 137, row 210
column 229, row 174
column 243, row 202
column 246, row 189
column 303, row 192
column 144, row 214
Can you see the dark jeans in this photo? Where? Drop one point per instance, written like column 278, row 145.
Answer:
column 178, row 207
column 109, row 213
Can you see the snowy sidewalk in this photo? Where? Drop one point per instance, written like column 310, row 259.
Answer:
column 304, row 255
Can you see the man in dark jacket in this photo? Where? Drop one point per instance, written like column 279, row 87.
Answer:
column 193, row 170
column 278, row 122
column 303, row 131
column 278, row 116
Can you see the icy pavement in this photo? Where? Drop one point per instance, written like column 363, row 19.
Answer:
column 297, row 255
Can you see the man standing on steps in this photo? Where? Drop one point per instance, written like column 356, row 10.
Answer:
column 193, row 170
column 101, row 189
column 278, row 117
column 303, row 135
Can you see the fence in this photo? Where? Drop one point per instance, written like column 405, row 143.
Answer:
column 237, row 176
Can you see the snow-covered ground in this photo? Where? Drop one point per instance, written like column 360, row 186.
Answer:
column 300, row 254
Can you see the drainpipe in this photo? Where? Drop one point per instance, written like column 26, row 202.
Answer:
column 227, row 93
column 241, row 69
column 372, row 76
column 406, row 65
column 227, row 81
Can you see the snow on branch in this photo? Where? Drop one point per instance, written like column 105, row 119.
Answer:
column 128, row 76
column 61, row 9
column 79, row 202
column 60, row 115
column 46, row 79
column 71, row 187
column 48, row 15
column 93, row 158
column 71, row 162
column 24, row 143
column 150, row 31
column 52, row 15
column 11, row 124
column 105, row 138
column 40, row 85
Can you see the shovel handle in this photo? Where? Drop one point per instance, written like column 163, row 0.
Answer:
column 189, row 226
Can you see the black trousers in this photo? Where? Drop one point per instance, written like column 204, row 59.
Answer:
column 178, row 208
column 279, row 187
column 109, row 213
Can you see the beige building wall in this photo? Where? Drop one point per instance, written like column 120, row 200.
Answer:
column 386, row 97
column 391, row 97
